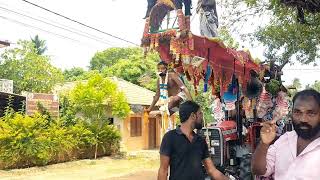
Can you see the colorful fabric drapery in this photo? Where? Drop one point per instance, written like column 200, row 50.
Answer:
column 223, row 61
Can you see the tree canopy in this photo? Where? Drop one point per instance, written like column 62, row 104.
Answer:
column 287, row 37
column 74, row 74
column 129, row 64
column 316, row 86
column 97, row 96
column 111, row 56
column 29, row 70
column 277, row 27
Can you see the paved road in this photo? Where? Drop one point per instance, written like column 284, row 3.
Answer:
column 138, row 166
column 143, row 175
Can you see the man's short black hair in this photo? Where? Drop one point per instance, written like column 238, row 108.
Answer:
column 163, row 63
column 186, row 109
column 308, row 93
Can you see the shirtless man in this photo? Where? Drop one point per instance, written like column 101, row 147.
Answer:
column 171, row 83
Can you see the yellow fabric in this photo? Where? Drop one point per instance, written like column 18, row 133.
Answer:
column 167, row 2
column 218, row 40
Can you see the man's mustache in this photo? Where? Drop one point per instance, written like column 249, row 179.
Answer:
column 304, row 124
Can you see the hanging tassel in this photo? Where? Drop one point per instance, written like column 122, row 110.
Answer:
column 205, row 87
column 213, row 90
column 188, row 75
column 177, row 58
column 195, row 90
column 156, row 43
column 172, row 50
column 212, row 83
column 208, row 74
column 152, row 43
column 190, row 41
column 195, row 86
column 211, row 79
column 221, row 86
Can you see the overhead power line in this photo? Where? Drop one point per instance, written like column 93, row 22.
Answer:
column 57, row 26
column 37, row 28
column 58, row 14
column 55, row 22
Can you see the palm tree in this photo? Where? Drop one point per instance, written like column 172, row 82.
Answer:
column 40, row 45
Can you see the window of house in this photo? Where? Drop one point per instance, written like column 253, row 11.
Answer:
column 135, row 126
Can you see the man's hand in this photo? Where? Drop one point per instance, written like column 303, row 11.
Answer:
column 147, row 110
column 212, row 171
column 259, row 159
column 268, row 132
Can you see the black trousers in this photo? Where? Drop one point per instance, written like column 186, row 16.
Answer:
column 177, row 3
column 151, row 3
column 187, row 6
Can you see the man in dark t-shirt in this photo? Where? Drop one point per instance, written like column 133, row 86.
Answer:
column 184, row 151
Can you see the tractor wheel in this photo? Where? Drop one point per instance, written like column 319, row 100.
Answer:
column 245, row 168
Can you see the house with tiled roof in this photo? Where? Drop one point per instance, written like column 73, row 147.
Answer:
column 138, row 130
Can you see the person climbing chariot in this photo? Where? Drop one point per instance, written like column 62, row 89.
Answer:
column 171, row 91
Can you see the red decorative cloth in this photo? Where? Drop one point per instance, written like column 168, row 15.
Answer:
column 224, row 61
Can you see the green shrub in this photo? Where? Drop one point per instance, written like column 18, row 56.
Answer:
column 84, row 139
column 29, row 141
column 62, row 143
column 106, row 138
column 109, row 139
column 23, row 141
column 67, row 111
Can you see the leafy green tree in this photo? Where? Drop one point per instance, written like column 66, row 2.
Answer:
column 316, row 86
column 296, row 83
column 295, row 86
column 203, row 99
column 97, row 99
column 111, row 56
column 39, row 45
column 275, row 26
column 28, row 70
column 227, row 38
column 136, row 69
column 295, row 40
column 74, row 74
